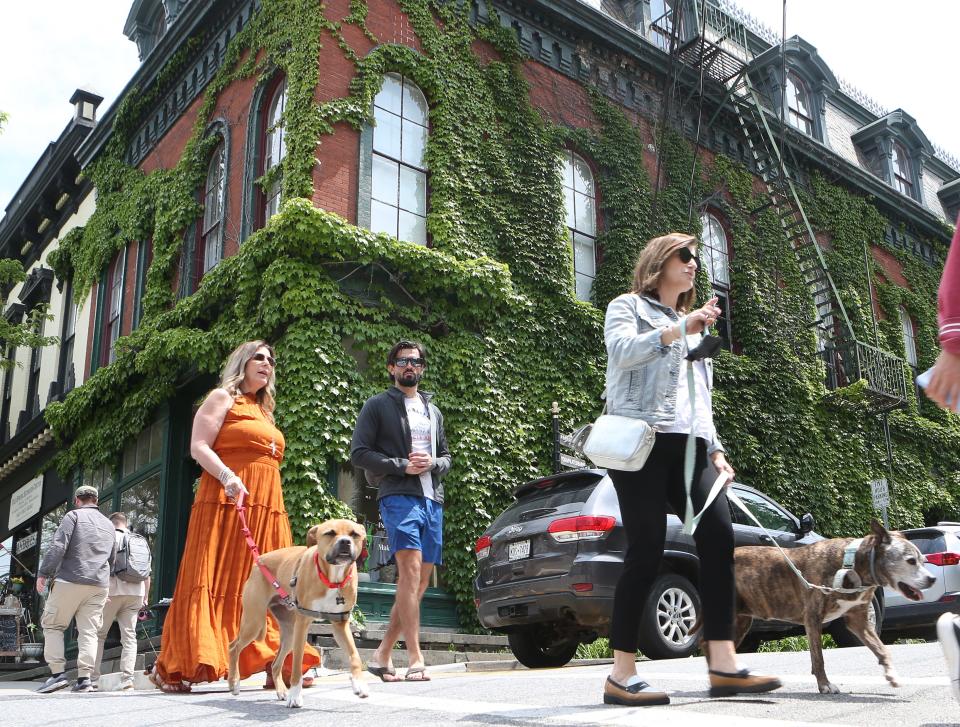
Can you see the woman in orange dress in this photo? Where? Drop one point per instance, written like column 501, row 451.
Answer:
column 240, row 449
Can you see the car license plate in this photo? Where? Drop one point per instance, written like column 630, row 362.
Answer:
column 519, row 549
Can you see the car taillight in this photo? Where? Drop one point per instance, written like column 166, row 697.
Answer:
column 946, row 558
column 482, row 548
column 581, row 527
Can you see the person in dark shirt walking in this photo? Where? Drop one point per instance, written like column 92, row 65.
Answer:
column 400, row 443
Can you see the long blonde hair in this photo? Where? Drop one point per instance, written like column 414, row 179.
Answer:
column 233, row 374
column 649, row 267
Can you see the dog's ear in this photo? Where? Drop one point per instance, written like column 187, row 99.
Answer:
column 879, row 532
column 312, row 535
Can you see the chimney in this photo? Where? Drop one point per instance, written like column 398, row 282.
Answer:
column 86, row 103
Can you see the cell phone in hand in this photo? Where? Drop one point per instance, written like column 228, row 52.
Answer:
column 923, row 381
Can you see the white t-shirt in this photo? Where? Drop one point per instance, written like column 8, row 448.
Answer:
column 703, row 425
column 420, row 436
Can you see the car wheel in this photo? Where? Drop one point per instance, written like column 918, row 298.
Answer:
column 542, row 647
column 668, row 616
column 844, row 637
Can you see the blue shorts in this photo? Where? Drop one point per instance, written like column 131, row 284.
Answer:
column 413, row 523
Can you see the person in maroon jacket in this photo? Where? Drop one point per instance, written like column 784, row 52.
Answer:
column 944, row 386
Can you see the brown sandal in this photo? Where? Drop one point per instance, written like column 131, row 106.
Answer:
column 165, row 686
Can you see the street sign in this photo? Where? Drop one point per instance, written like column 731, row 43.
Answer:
column 881, row 493
column 574, row 463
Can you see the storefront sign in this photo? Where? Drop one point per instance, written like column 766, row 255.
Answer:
column 25, row 543
column 25, row 502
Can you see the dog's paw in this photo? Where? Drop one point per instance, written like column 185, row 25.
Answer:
column 829, row 688
column 359, row 686
column 892, row 677
column 295, row 697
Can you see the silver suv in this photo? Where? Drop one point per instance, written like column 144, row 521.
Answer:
column 940, row 545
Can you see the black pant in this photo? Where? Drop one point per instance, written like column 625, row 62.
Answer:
column 644, row 496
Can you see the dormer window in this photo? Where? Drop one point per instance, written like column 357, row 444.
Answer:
column 799, row 115
column 902, row 176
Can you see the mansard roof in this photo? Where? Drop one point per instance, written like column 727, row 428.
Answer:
column 802, row 57
column 901, row 125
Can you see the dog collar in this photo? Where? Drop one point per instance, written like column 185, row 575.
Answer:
column 323, row 576
column 849, row 561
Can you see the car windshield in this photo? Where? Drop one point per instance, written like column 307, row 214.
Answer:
column 547, row 499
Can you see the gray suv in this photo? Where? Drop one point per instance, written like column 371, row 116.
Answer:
column 547, row 568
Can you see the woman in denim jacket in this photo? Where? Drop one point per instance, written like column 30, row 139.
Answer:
column 647, row 379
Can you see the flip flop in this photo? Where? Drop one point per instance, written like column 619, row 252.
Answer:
column 383, row 671
column 421, row 670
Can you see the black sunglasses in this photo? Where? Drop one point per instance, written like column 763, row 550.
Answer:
column 404, row 362
column 264, row 357
column 686, row 256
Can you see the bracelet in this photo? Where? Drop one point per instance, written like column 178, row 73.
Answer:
column 226, row 474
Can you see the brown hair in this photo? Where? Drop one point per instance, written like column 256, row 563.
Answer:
column 118, row 518
column 233, row 372
column 649, row 267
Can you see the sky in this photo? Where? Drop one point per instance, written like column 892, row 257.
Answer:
column 49, row 48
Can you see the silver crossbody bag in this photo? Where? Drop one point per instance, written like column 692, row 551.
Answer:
column 619, row 443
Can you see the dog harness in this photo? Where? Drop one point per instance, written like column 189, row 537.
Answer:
column 282, row 594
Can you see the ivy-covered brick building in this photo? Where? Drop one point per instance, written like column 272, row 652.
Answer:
column 481, row 176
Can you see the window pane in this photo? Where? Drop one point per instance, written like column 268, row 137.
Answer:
column 414, row 104
column 143, row 448
column 414, row 144
column 584, row 287
column 721, row 273
column 566, row 168
column 140, row 503
column 129, row 460
column 585, row 213
column 390, row 94
column 582, row 176
column 211, row 248
column 156, row 441
column 383, row 218
column 386, row 180
column 412, row 228
column 386, row 133
column 568, row 207
column 584, row 255
column 413, row 191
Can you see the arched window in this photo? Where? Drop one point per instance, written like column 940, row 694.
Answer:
column 273, row 149
column 580, row 203
column 798, row 105
column 902, row 176
column 909, row 337
column 398, row 192
column 715, row 257
column 210, row 240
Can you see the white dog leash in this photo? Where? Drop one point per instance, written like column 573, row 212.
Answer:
column 735, row 499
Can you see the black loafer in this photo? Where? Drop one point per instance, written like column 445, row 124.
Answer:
column 725, row 684
column 638, row 694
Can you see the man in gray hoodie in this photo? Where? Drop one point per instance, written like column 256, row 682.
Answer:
column 78, row 564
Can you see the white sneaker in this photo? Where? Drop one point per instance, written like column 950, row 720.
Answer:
column 125, row 685
column 948, row 632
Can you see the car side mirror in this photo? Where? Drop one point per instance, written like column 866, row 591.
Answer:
column 807, row 524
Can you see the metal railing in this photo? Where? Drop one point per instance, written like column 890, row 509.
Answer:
column 882, row 372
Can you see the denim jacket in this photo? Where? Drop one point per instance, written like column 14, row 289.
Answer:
column 641, row 372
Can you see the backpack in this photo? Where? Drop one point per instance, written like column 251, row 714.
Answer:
column 132, row 561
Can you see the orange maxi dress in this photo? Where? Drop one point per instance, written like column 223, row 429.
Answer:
column 204, row 616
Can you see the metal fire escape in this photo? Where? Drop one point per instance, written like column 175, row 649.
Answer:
column 717, row 46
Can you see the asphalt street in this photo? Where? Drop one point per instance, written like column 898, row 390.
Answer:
column 556, row 697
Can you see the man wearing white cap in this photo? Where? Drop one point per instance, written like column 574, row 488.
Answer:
column 78, row 564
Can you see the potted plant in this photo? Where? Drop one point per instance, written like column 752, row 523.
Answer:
column 31, row 650
column 16, row 584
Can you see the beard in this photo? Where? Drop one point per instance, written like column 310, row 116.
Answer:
column 409, row 378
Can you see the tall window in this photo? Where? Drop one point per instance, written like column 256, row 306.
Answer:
column 798, row 105
column 902, row 178
column 398, row 204
column 144, row 258
column 67, row 373
column 33, row 382
column 715, row 257
column 113, row 306
column 210, row 232
column 580, row 203
column 274, row 149
column 909, row 338
column 7, row 393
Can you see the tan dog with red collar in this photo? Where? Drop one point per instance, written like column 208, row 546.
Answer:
column 322, row 577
